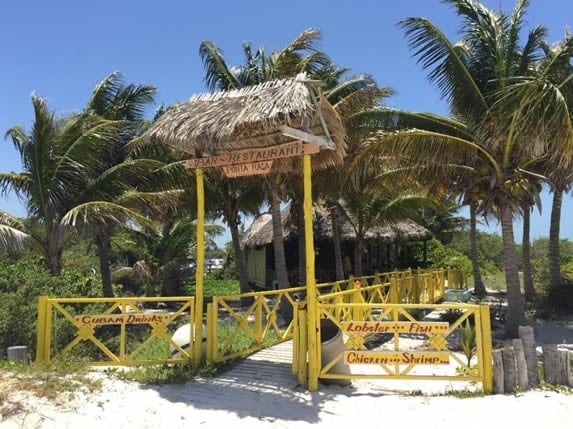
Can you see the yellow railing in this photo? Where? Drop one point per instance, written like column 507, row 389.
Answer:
column 232, row 330
column 398, row 327
column 112, row 331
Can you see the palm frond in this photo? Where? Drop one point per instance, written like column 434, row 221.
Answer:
column 217, row 73
column 447, row 71
column 101, row 214
column 14, row 237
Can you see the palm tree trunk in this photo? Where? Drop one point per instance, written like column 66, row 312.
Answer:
column 103, row 245
column 279, row 250
column 53, row 248
column 526, row 255
column 278, row 246
column 239, row 257
column 555, row 279
column 515, row 307
column 479, row 287
column 334, row 219
column 358, row 257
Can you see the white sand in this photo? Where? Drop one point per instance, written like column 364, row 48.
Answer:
column 220, row 404
column 269, row 402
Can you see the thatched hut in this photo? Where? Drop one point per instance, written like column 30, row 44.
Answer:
column 383, row 246
column 258, row 116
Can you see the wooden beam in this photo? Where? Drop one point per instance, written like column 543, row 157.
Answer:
column 307, row 137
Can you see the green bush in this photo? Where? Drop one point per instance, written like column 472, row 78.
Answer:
column 441, row 256
column 22, row 282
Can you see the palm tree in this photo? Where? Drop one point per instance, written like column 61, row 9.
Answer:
column 556, row 67
column 230, row 199
column 160, row 253
column 365, row 210
column 545, row 100
column 357, row 99
column 131, row 180
column 471, row 75
column 57, row 154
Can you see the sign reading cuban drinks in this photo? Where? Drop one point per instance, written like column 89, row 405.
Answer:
column 251, row 156
column 366, row 327
column 397, row 357
column 121, row 319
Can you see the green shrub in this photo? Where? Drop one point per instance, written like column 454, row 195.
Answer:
column 22, row 282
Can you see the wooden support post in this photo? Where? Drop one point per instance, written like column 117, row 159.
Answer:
column 527, row 337
column 498, row 377
column 509, row 376
column 18, row 354
column 522, row 379
column 555, row 365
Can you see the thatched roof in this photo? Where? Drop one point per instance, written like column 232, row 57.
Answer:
column 260, row 233
column 251, row 117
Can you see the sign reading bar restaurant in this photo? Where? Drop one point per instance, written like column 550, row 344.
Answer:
column 258, row 155
column 367, row 327
column 121, row 319
column 397, row 357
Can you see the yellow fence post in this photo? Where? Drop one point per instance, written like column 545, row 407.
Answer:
column 259, row 318
column 40, row 340
column 394, row 293
column 357, row 311
column 487, row 349
column 311, row 298
column 295, row 340
column 432, row 289
column 211, row 328
column 302, row 348
column 198, row 319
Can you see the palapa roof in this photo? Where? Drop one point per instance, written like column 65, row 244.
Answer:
column 251, row 117
column 260, row 233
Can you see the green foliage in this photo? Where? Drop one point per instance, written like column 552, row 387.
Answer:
column 439, row 255
column 213, row 286
column 468, row 340
column 178, row 373
column 22, row 281
column 540, row 260
column 490, row 250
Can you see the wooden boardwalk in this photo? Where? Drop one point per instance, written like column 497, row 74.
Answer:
column 270, row 368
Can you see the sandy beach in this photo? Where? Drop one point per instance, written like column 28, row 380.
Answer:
column 265, row 395
column 218, row 403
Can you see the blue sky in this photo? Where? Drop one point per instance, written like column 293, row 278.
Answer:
column 59, row 49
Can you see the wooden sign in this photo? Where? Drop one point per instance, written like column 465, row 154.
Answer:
column 121, row 319
column 397, row 358
column 254, row 168
column 250, row 156
column 367, row 327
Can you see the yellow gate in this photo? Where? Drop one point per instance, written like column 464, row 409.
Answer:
column 392, row 328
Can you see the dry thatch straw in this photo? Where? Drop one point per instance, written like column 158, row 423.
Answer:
column 260, row 233
column 250, row 117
